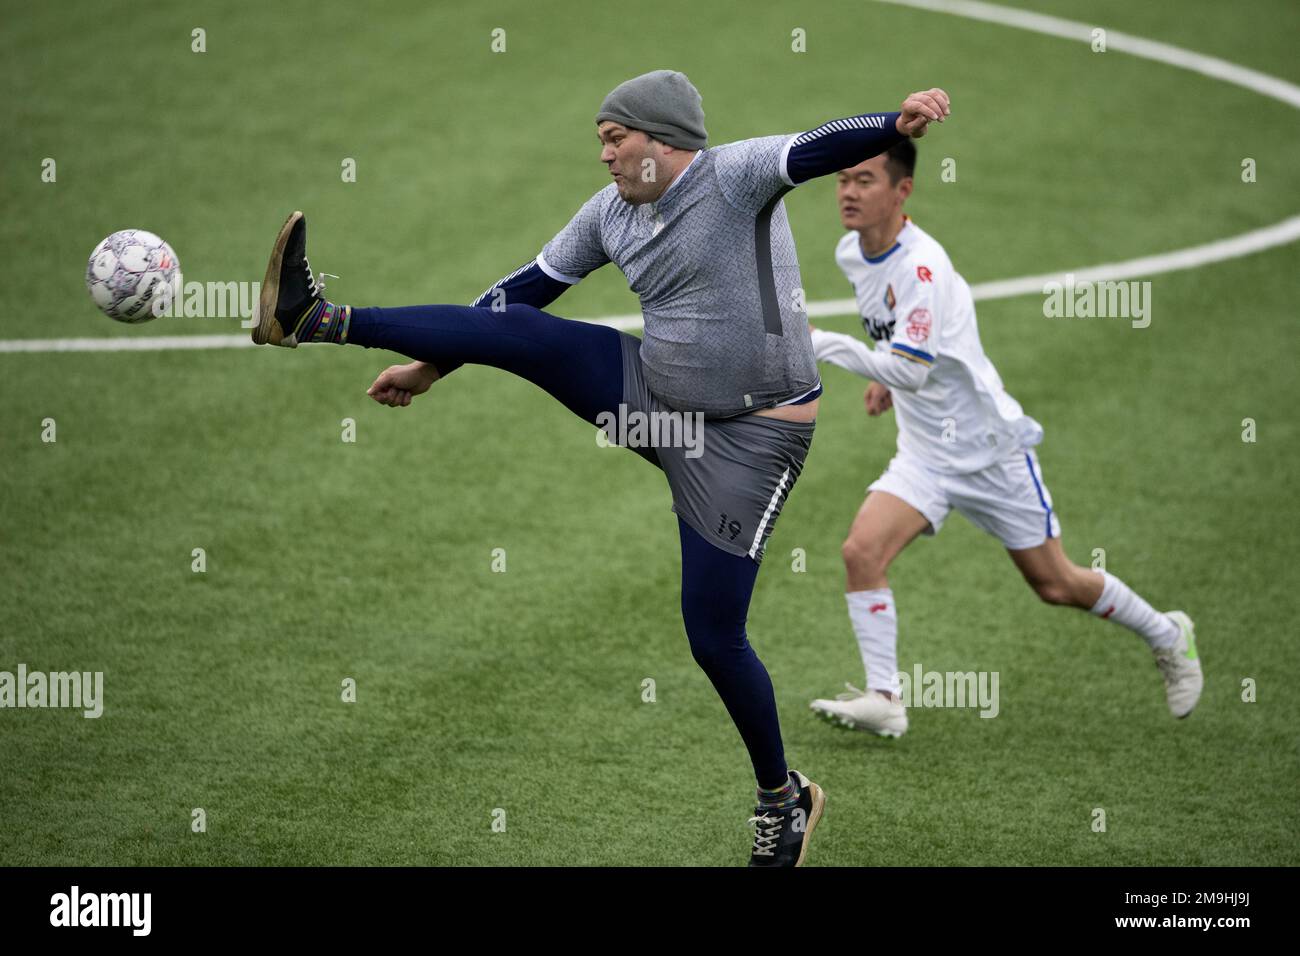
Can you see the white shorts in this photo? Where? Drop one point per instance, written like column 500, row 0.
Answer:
column 1008, row 499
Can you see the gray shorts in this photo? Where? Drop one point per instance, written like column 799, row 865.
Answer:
column 729, row 477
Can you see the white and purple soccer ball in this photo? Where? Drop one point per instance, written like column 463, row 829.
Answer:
column 133, row 276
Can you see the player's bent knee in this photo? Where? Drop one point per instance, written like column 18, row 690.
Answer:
column 864, row 556
column 1051, row 591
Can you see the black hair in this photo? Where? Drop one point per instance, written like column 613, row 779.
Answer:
column 900, row 160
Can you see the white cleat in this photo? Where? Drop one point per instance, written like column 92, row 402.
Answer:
column 1181, row 667
column 864, row 710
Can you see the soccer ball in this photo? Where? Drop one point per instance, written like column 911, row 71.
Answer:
column 133, row 276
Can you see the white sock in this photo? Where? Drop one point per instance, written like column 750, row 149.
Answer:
column 875, row 623
column 1121, row 604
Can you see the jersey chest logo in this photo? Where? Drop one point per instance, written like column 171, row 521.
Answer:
column 881, row 329
column 878, row 329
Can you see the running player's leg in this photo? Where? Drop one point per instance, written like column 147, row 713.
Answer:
column 883, row 527
column 1171, row 636
column 1057, row 580
column 1010, row 500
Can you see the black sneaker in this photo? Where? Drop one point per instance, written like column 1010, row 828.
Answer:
column 781, row 836
column 289, row 288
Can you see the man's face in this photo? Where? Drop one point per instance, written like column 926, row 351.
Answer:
column 634, row 161
column 866, row 197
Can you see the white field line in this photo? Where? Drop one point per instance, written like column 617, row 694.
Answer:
column 1210, row 66
column 1257, row 240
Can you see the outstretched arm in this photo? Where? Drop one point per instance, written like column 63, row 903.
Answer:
column 843, row 143
column 755, row 173
column 893, row 370
column 904, row 361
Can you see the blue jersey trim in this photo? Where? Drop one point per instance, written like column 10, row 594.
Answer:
column 915, row 353
column 872, row 260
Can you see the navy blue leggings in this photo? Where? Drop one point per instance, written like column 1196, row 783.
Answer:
column 716, row 587
column 578, row 363
column 581, row 365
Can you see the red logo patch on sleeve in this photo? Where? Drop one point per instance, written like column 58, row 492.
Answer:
column 923, row 274
column 918, row 325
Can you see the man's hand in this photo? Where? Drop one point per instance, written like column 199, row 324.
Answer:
column 921, row 109
column 878, row 399
column 398, row 383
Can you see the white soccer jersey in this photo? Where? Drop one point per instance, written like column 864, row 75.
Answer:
column 952, row 410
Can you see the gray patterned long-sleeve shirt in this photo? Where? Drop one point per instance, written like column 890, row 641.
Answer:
column 714, row 265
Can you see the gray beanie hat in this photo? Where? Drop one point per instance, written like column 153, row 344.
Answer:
column 663, row 103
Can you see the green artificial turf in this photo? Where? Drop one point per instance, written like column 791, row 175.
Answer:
column 479, row 691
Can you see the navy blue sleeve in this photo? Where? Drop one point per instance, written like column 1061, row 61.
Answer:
column 840, row 144
column 528, row 285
